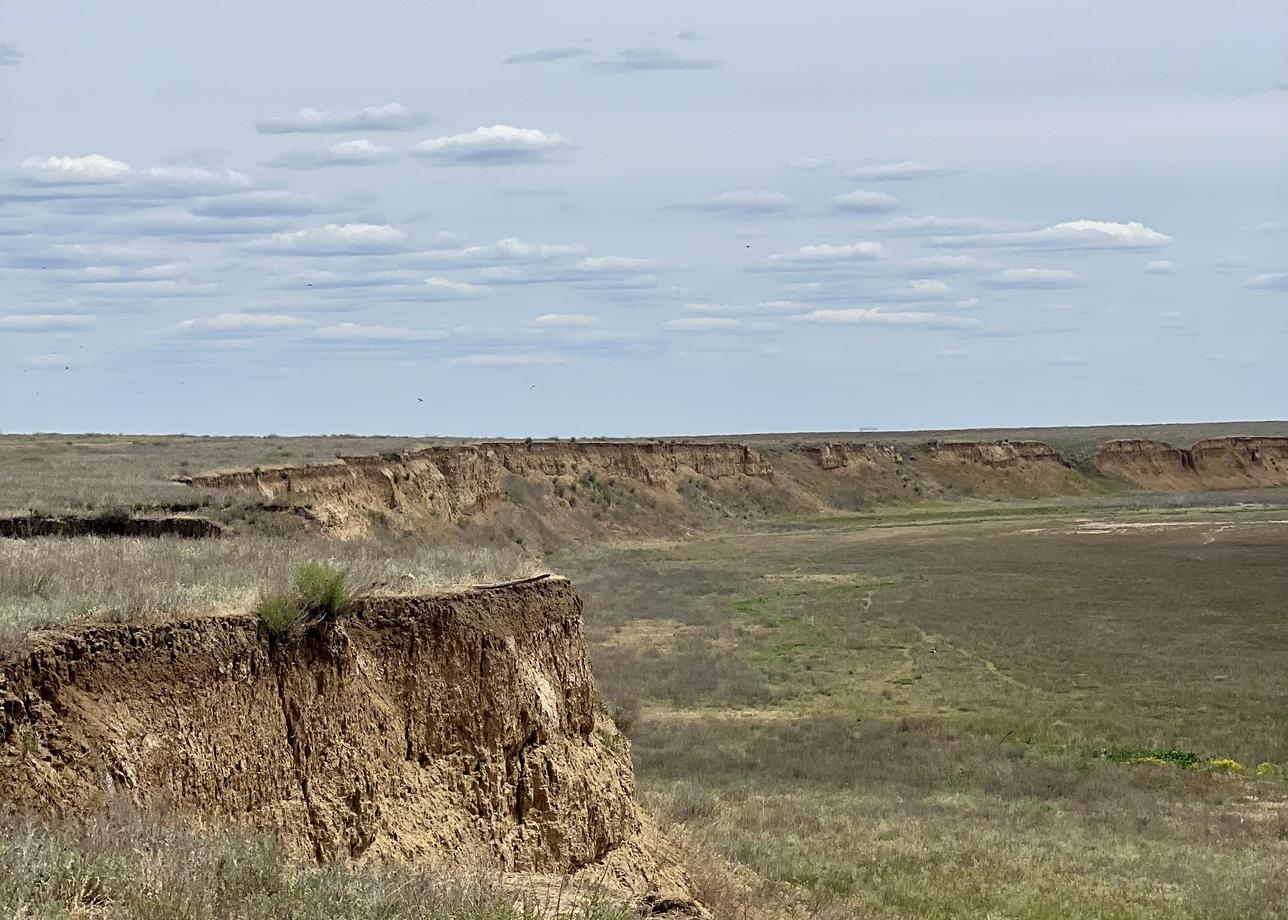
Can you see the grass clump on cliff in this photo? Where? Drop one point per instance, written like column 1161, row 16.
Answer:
column 322, row 594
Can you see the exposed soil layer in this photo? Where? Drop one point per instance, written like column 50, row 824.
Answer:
column 37, row 525
column 460, row 728
column 1214, row 463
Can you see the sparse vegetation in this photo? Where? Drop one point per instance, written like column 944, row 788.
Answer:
column 51, row 581
column 965, row 714
column 127, row 866
column 321, row 594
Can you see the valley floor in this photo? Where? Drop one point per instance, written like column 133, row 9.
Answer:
column 1017, row 712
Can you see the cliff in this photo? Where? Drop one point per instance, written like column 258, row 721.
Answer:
column 446, row 484
column 1214, row 463
column 455, row 729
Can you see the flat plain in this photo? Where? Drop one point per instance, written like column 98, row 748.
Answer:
column 1031, row 713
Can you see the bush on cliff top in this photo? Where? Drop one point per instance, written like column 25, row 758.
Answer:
column 322, row 594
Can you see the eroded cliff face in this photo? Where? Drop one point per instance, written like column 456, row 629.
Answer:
column 447, row 484
column 1214, row 463
column 454, row 729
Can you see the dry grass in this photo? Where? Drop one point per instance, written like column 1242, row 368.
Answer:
column 126, row 866
column 53, row 581
column 901, row 717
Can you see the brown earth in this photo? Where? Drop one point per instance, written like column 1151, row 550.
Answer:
column 427, row 488
column 30, row 526
column 1213, row 463
column 453, row 729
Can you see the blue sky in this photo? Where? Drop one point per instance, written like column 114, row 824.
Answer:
column 665, row 218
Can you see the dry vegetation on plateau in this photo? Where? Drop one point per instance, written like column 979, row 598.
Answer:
column 1029, row 715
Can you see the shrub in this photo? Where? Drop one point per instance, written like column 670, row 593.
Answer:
column 322, row 595
column 323, row 590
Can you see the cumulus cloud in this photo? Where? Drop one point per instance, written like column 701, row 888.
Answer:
column 10, row 54
column 611, row 264
column 766, row 307
column 354, row 332
column 563, row 320
column 541, row 55
column 346, row 153
column 1270, row 281
column 46, row 322
column 1034, row 278
column 946, row 226
column 861, row 201
column 389, row 117
column 745, row 201
column 896, row 172
column 505, row 360
column 50, row 359
column 1231, row 263
column 510, row 249
column 877, row 317
column 498, row 145
column 922, row 289
column 335, row 239
column 1160, row 267
column 945, row 265
column 158, row 288
column 74, row 170
column 233, row 323
column 635, row 60
column 447, row 289
column 818, row 255
column 1269, row 226
column 1071, row 235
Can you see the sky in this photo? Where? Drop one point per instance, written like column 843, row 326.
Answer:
column 579, row 219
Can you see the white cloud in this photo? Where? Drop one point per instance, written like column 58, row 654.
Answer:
column 968, row 303
column 389, row 117
column 360, row 152
column 498, row 145
column 923, row 289
column 446, row 288
column 162, row 287
column 1070, row 235
column 808, row 162
column 510, row 249
column 611, row 265
column 635, row 60
column 505, row 360
column 945, row 265
column 1231, row 263
column 895, row 172
column 1269, row 226
column 1034, row 278
column 819, row 255
column 240, row 322
column 765, row 307
column 353, row 332
column 746, row 201
column 1160, row 267
column 195, row 180
column 861, row 201
column 46, row 322
column 1270, row 281
column 89, row 169
column 702, row 323
column 563, row 320
column 878, row 317
column 335, row 239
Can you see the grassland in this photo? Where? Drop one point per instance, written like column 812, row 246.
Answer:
column 127, row 865
column 967, row 715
